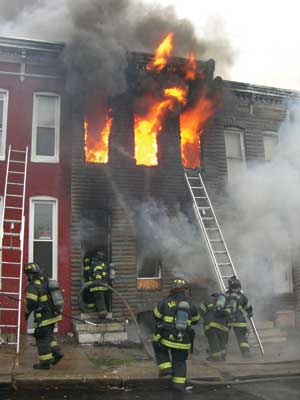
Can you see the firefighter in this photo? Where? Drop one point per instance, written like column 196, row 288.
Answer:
column 238, row 303
column 174, row 336
column 39, row 301
column 215, row 313
column 88, row 268
column 101, row 277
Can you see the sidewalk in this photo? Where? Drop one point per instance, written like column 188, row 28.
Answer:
column 104, row 367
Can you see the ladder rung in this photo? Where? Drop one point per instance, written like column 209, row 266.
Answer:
column 17, row 161
column 207, row 218
column 16, row 172
column 18, row 151
column 12, row 293
column 11, row 234
column 216, row 240
column 193, row 177
column 11, row 248
column 212, row 229
column 223, row 264
column 10, row 277
column 8, row 326
column 203, row 208
column 226, row 276
column 13, row 195
column 220, row 252
column 15, row 221
column 15, row 183
column 200, row 197
column 196, row 187
column 13, row 208
column 8, row 309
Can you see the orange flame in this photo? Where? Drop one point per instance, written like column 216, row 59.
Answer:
column 190, row 67
column 162, row 53
column 96, row 149
column 192, row 123
column 147, row 127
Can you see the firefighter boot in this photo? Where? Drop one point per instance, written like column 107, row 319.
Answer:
column 57, row 356
column 42, row 365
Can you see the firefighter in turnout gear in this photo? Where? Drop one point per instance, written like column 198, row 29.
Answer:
column 238, row 304
column 39, row 301
column 99, row 293
column 174, row 316
column 215, row 315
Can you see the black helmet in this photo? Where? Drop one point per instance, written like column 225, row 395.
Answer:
column 234, row 283
column 101, row 254
column 32, row 268
column 179, row 284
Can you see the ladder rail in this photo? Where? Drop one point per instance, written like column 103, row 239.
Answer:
column 4, row 195
column 220, row 277
column 22, row 232
column 217, row 223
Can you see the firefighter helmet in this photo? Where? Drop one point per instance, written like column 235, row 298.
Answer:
column 179, row 284
column 32, row 268
column 234, row 283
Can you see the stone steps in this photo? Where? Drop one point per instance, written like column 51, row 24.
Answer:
column 268, row 333
column 104, row 332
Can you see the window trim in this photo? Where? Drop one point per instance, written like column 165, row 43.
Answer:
column 272, row 134
column 5, row 112
column 54, row 201
column 242, row 141
column 46, row 159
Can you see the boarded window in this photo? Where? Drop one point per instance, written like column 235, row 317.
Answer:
column 271, row 141
column 235, row 152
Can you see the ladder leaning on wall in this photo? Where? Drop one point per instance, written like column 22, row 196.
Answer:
column 218, row 251
column 12, row 224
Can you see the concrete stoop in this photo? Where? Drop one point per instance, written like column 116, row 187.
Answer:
column 269, row 334
column 104, row 332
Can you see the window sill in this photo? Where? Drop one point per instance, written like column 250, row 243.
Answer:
column 49, row 160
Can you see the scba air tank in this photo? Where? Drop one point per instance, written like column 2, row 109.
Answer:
column 182, row 316
column 56, row 296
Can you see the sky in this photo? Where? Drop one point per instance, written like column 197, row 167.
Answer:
column 264, row 35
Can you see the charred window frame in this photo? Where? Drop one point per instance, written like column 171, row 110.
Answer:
column 45, row 127
column 43, row 233
column 235, row 151
column 271, row 142
column 3, row 121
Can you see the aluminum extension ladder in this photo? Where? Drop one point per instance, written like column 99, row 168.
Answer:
column 218, row 251
column 12, row 224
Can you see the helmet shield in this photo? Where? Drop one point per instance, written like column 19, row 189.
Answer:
column 180, row 284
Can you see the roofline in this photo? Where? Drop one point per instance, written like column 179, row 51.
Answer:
column 31, row 44
column 260, row 89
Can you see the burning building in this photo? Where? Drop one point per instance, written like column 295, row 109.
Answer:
column 114, row 178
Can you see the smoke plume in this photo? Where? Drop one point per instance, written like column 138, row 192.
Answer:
column 263, row 227
column 99, row 34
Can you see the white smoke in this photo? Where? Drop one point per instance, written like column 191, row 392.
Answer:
column 263, row 226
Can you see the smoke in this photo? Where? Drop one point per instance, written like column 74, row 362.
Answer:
column 263, row 227
column 100, row 33
column 172, row 239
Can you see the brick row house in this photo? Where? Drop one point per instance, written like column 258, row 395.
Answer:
column 74, row 206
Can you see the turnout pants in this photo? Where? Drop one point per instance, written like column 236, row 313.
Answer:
column 217, row 340
column 47, row 346
column 171, row 361
column 241, row 337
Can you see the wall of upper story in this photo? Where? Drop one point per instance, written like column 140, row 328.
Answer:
column 28, row 67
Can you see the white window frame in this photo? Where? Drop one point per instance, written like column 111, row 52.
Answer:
column 44, row 199
column 34, row 156
column 240, row 131
column 272, row 134
column 4, row 123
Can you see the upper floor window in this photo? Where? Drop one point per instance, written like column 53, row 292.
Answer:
column 3, row 121
column 235, row 152
column 271, row 141
column 45, row 127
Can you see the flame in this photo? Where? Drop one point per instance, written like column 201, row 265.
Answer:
column 147, row 127
column 162, row 53
column 190, row 67
column 96, row 149
column 192, row 123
